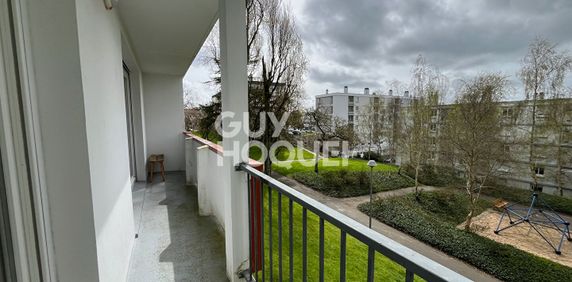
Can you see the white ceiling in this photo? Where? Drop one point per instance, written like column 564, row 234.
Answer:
column 166, row 35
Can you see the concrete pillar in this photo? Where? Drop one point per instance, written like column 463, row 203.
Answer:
column 233, row 56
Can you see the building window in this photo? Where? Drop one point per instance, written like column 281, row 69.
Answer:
column 350, row 109
column 507, row 112
column 351, row 99
column 433, row 127
column 539, row 171
column 434, row 113
column 350, row 119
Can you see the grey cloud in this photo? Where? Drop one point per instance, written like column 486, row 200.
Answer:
column 453, row 35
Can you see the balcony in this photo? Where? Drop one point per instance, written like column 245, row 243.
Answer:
column 272, row 208
column 174, row 243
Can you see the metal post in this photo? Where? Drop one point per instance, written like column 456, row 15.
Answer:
column 371, row 164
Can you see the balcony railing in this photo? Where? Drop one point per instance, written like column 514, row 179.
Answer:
column 271, row 228
column 267, row 266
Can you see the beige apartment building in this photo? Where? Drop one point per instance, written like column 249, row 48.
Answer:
column 549, row 159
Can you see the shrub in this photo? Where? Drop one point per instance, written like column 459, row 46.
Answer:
column 503, row 261
column 371, row 155
column 344, row 183
column 438, row 176
column 558, row 203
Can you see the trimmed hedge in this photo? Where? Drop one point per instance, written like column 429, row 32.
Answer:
column 371, row 155
column 503, row 261
column 343, row 183
column 437, row 176
column 557, row 203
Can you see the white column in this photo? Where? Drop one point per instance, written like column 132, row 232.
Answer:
column 234, row 99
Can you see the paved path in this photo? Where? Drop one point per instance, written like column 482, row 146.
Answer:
column 348, row 206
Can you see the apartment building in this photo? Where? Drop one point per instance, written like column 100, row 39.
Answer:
column 360, row 109
column 549, row 159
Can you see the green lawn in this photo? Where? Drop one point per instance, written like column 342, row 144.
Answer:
column 434, row 221
column 356, row 256
column 282, row 154
column 328, row 164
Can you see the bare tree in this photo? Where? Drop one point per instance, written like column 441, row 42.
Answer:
column 283, row 64
column 419, row 125
column 473, row 130
column 371, row 123
column 276, row 65
column 543, row 71
column 329, row 129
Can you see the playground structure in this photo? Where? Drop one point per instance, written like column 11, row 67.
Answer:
column 539, row 216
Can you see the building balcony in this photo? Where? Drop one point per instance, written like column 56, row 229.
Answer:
column 272, row 209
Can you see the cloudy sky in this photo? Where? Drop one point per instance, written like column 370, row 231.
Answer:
column 365, row 43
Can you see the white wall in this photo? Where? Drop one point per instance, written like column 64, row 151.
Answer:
column 210, row 188
column 164, row 118
column 104, row 100
column 54, row 60
column 76, row 57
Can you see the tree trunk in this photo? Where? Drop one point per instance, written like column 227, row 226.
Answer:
column 417, row 167
column 469, row 187
column 469, row 218
column 317, row 158
column 560, row 160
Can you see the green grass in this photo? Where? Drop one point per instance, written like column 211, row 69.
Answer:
column 343, row 183
column 521, row 196
column 434, row 222
column 328, row 164
column 356, row 255
column 282, row 154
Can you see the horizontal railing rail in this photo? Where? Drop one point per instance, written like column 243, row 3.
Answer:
column 413, row 262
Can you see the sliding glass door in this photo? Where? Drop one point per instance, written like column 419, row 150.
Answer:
column 7, row 272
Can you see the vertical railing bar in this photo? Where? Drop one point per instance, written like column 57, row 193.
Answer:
column 409, row 275
column 280, row 236
column 304, row 244
column 321, row 249
column 250, row 225
column 262, row 250
column 256, row 240
column 291, row 238
column 343, row 256
column 370, row 264
column 270, row 255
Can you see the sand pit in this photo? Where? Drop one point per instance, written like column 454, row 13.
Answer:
column 523, row 237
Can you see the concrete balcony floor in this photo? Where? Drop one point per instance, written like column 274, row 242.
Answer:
column 175, row 243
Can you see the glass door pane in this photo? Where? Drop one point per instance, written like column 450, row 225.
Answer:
column 7, row 272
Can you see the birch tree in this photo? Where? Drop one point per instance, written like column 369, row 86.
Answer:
column 544, row 69
column 428, row 86
column 473, row 130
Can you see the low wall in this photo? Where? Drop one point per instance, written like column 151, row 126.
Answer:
column 203, row 171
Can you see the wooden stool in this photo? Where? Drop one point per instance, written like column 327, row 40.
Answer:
column 151, row 162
